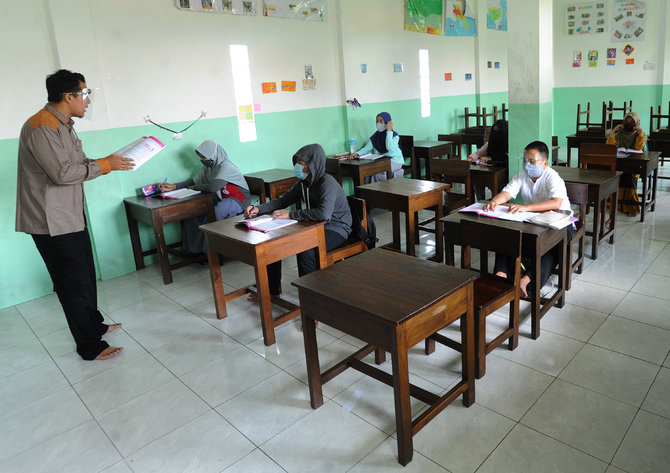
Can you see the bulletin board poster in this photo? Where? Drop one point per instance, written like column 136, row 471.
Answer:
column 424, row 16
column 231, row 7
column 629, row 20
column 496, row 15
column 586, row 18
column 314, row 10
column 460, row 20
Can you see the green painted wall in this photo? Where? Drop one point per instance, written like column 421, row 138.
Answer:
column 531, row 122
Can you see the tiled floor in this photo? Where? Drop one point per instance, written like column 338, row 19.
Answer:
column 191, row 393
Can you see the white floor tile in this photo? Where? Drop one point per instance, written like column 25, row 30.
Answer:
column 595, row 296
column 30, row 385
column 59, row 343
column 385, row 458
column 609, row 373
column 44, row 315
column 331, row 439
column 632, row 338
column 205, row 444
column 648, row 310
column 573, row 321
column 13, row 328
column 645, row 447
column 583, row 419
column 21, row 357
column 540, row 454
column 256, row 462
column 139, row 422
column 658, row 400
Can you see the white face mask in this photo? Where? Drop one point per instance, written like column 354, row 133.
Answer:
column 381, row 127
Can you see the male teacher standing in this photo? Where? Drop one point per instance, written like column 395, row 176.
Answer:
column 52, row 168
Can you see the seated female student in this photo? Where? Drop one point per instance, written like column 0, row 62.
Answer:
column 630, row 135
column 541, row 189
column 495, row 151
column 218, row 175
column 321, row 197
column 384, row 141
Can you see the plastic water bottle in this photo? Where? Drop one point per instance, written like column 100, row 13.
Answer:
column 352, row 146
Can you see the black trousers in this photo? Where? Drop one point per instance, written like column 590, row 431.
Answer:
column 307, row 262
column 547, row 264
column 69, row 260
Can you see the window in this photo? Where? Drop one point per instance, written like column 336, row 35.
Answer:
column 424, row 82
column 244, row 102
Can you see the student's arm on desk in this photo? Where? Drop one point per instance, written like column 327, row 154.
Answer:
column 551, row 204
column 499, row 199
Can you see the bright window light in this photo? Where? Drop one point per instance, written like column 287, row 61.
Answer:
column 424, row 82
column 244, row 101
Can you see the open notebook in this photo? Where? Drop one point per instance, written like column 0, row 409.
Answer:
column 266, row 223
column 179, row 193
column 553, row 219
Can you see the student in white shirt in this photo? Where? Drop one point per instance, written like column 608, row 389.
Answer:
column 541, row 189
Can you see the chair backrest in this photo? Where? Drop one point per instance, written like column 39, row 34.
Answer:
column 356, row 242
column 597, row 156
column 501, row 240
column 578, row 193
column 450, row 171
column 481, row 123
column 457, row 141
column 584, row 124
column 406, row 145
column 504, row 111
column 357, row 207
column 659, row 117
column 613, row 120
column 256, row 187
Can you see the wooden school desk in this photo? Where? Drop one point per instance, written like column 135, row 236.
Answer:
column 408, row 196
column 602, row 185
column 259, row 249
column 157, row 212
column 427, row 150
column 493, row 177
column 358, row 169
column 646, row 165
column 413, row 300
column 536, row 241
column 271, row 183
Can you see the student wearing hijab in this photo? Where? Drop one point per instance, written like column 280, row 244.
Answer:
column 321, row 198
column 629, row 135
column 218, row 175
column 384, row 141
column 494, row 151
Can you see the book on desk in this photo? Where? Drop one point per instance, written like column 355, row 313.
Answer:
column 178, row 193
column 554, row 218
column 266, row 223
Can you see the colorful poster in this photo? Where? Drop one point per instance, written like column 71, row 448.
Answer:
column 447, row 76
column 468, row 76
column 629, row 18
column 611, row 62
column 314, row 10
column 577, row 59
column 628, row 49
column 460, row 20
column 593, row 58
column 230, row 7
column 586, row 18
column 496, row 65
column 630, row 60
column 496, row 15
column 269, row 87
column 245, row 113
column 424, row 16
column 288, row 86
column 611, row 53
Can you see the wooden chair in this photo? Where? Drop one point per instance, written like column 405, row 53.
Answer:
column 660, row 142
column 597, row 156
column 658, row 117
column 491, row 292
column 406, row 145
column 457, row 145
column 353, row 245
column 611, row 121
column 449, row 171
column 587, row 127
column 481, row 123
column 256, row 187
column 505, row 110
column 579, row 195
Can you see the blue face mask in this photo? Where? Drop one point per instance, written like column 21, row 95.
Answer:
column 534, row 170
column 381, row 127
column 208, row 163
column 299, row 173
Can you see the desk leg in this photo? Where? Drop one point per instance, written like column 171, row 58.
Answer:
column 312, row 358
column 439, row 249
column 535, row 306
column 135, row 242
column 161, row 247
column 321, row 248
column 217, row 282
column 563, row 271
column 569, row 148
column 410, row 231
column 645, row 186
column 395, row 218
column 468, row 349
column 263, row 288
column 598, row 203
column 613, row 209
column 403, row 408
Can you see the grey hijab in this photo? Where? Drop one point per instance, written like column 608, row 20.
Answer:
column 223, row 168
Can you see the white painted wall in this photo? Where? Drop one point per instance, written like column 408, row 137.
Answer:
column 653, row 49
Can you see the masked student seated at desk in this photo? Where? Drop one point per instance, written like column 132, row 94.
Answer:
column 384, row 141
column 541, row 189
column 321, row 197
column 629, row 135
column 495, row 151
column 218, row 175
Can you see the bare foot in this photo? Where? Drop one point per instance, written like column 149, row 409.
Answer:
column 523, row 284
column 501, row 274
column 109, row 352
column 112, row 327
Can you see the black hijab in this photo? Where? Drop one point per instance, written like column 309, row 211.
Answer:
column 498, row 143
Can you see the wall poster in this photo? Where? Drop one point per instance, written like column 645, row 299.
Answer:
column 314, row 10
column 231, row 7
column 628, row 20
column 460, row 20
column 424, row 16
column 496, row 15
column 586, row 18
